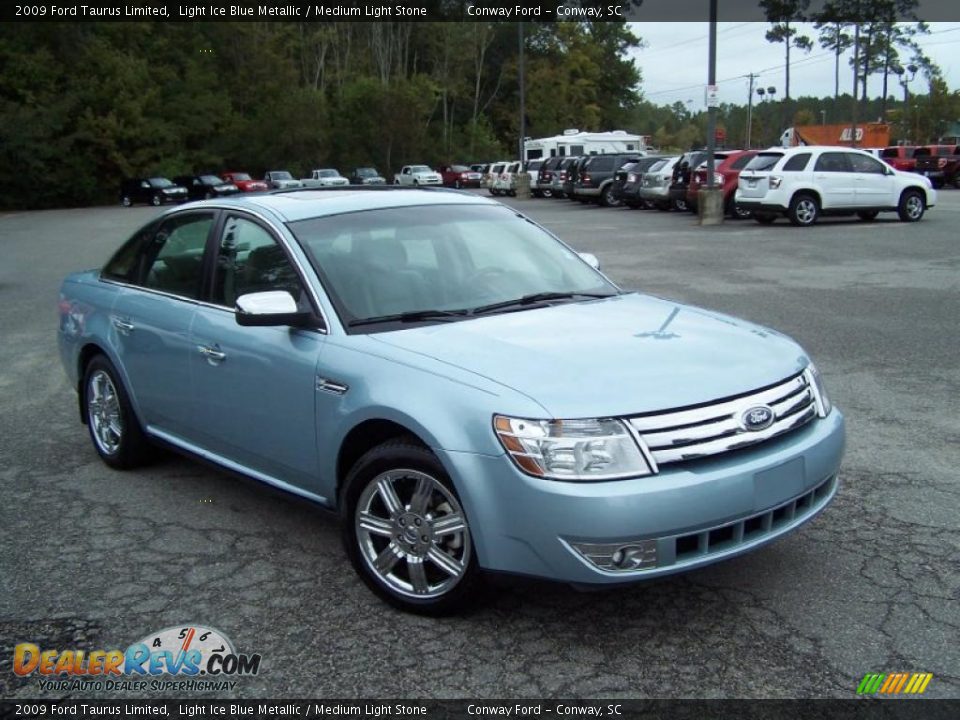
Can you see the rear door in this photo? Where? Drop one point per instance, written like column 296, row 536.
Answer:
column 152, row 318
column 836, row 180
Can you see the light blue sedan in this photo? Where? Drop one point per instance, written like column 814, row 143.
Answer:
column 469, row 393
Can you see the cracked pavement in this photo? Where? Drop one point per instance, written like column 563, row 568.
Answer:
column 94, row 558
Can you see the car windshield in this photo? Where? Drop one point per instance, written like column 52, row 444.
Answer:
column 160, row 182
column 419, row 169
column 366, row 172
column 658, row 165
column 240, row 177
column 764, row 161
column 211, row 180
column 441, row 262
column 281, row 175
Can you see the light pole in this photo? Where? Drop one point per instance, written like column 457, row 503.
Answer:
column 823, row 117
column 906, row 76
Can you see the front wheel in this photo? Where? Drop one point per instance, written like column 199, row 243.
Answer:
column 609, row 197
column 911, row 207
column 114, row 428
column 406, row 532
column 156, row 201
column 680, row 205
column 804, row 210
column 126, row 201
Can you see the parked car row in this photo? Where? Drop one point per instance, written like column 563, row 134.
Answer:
column 940, row 163
column 801, row 183
column 160, row 190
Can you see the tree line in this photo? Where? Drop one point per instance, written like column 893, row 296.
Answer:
column 83, row 105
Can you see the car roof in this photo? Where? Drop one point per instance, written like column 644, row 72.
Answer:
column 290, row 206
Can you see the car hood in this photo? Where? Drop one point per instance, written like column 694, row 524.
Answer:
column 624, row 355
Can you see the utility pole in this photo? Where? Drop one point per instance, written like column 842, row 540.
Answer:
column 747, row 145
column 523, row 99
column 710, row 198
column 856, row 76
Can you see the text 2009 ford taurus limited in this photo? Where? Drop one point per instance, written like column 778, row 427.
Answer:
column 468, row 392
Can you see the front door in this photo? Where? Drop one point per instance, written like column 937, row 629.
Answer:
column 256, row 386
column 874, row 188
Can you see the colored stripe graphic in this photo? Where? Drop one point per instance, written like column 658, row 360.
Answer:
column 894, row 683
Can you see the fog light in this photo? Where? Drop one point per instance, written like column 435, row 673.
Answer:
column 619, row 557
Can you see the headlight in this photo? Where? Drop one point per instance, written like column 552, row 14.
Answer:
column 572, row 449
column 824, row 406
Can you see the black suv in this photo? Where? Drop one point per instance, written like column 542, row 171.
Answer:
column 205, row 187
column 366, row 176
column 627, row 181
column 595, row 181
column 152, row 190
column 682, row 171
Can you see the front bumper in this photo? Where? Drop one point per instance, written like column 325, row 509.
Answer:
column 693, row 514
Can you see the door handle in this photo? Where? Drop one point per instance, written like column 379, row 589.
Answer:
column 212, row 354
column 122, row 326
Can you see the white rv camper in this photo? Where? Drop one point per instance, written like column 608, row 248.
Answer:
column 574, row 142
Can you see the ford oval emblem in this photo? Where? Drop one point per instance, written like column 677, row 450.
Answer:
column 757, row 418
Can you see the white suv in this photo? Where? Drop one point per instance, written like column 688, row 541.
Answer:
column 806, row 182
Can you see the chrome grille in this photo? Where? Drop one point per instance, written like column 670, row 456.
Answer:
column 688, row 434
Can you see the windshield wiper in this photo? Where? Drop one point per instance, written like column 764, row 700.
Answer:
column 412, row 316
column 535, row 298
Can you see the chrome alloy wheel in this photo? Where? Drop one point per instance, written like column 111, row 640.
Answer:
column 103, row 412
column 913, row 207
column 412, row 533
column 806, row 211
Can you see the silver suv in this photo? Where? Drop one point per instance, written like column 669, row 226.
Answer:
column 806, row 182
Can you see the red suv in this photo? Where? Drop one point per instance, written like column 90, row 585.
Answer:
column 459, row 176
column 726, row 171
column 243, row 181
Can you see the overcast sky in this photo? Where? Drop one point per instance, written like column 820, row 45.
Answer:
column 674, row 62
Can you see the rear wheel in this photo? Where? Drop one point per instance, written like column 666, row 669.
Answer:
column 548, row 193
column 114, row 429
column 679, row 205
column 911, row 207
column 804, row 210
column 126, row 201
column 156, row 201
column 868, row 215
column 406, row 532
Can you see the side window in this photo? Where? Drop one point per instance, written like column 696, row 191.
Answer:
column 250, row 260
column 173, row 260
column 124, row 263
column 798, row 163
column 863, row 164
column 832, row 162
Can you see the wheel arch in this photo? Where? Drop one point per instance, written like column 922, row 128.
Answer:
column 813, row 192
column 921, row 190
column 90, row 350
column 363, row 437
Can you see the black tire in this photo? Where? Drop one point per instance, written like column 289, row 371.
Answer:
column 126, row 201
column 765, row 219
column 403, row 464
column 738, row 213
column 114, row 429
column 548, row 193
column 396, row 181
column 868, row 215
column 608, row 197
column 804, row 210
column 912, row 206
column 679, row 205
column 156, row 201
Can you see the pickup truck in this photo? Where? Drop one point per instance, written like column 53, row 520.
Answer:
column 417, row 175
column 940, row 163
column 281, row 180
column 326, row 177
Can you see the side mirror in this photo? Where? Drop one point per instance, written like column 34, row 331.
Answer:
column 275, row 307
column 590, row 259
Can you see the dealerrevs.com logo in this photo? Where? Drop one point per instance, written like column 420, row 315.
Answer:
column 201, row 658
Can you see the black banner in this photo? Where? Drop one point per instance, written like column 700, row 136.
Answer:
column 432, row 10
column 861, row 709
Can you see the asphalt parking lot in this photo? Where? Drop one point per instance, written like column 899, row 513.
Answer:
column 94, row 558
